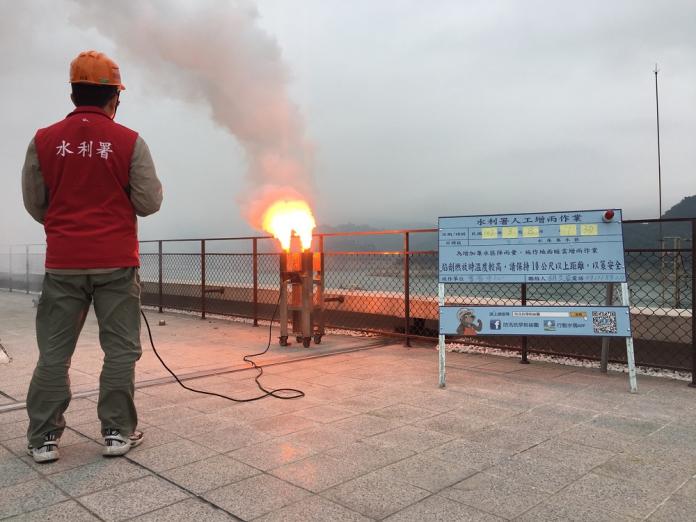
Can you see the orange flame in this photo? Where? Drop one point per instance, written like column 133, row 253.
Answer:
column 284, row 217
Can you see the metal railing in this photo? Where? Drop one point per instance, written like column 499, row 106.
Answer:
column 388, row 282
column 22, row 267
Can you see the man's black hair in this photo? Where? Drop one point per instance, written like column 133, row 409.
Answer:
column 93, row 95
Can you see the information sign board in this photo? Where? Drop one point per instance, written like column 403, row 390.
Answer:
column 600, row 321
column 549, row 247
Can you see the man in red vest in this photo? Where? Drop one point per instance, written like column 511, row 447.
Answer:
column 85, row 179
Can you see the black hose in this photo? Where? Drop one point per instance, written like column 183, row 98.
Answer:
column 279, row 393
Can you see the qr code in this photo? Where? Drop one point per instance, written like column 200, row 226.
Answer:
column 604, row 322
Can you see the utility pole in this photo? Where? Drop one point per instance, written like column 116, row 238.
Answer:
column 659, row 161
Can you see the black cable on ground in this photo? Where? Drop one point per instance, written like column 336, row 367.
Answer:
column 279, row 393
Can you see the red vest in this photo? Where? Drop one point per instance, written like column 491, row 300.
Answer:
column 90, row 221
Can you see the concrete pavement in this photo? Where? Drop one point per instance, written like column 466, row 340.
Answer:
column 373, row 439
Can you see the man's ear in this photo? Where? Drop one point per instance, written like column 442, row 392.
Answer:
column 112, row 106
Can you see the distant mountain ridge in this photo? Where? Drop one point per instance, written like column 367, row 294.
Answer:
column 675, row 234
column 686, row 208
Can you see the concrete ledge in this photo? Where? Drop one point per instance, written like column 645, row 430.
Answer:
column 649, row 324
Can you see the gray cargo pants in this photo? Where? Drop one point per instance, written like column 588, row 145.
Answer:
column 63, row 307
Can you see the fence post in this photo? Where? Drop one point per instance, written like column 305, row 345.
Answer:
column 321, row 286
column 202, row 278
column 693, row 300
column 255, row 270
column 159, row 278
column 407, row 289
column 26, row 266
column 10, row 270
column 525, row 339
column 608, row 301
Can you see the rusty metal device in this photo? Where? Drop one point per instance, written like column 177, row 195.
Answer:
column 302, row 296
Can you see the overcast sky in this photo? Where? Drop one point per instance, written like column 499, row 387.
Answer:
column 414, row 109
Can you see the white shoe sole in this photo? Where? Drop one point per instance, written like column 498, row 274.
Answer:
column 117, row 451
column 45, row 456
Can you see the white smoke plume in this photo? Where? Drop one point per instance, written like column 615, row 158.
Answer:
column 214, row 51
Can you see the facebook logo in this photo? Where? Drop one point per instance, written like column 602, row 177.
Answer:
column 496, row 324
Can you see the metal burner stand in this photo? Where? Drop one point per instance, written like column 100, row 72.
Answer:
column 302, row 297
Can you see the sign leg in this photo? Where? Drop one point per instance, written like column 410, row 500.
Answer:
column 441, row 339
column 441, row 348
column 630, row 359
column 632, row 381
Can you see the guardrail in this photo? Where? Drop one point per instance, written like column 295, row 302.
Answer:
column 388, row 281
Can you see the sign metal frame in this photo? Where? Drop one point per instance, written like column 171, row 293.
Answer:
column 484, row 219
column 540, row 247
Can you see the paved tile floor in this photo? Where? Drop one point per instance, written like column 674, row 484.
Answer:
column 373, row 439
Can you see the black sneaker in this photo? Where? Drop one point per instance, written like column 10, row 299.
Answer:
column 48, row 451
column 116, row 444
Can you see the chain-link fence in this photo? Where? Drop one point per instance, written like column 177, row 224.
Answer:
column 387, row 282
column 22, row 267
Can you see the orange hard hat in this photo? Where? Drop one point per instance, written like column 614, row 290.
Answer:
column 95, row 68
